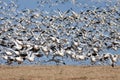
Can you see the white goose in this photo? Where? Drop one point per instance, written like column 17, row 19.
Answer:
column 60, row 52
column 9, row 59
column 31, row 57
column 93, row 59
column 5, row 57
column 8, row 53
column 114, row 59
column 18, row 44
column 19, row 59
column 105, row 57
column 81, row 57
column 45, row 50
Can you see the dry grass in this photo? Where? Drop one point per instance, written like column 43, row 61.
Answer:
column 59, row 73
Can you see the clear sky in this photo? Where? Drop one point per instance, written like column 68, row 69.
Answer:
column 80, row 4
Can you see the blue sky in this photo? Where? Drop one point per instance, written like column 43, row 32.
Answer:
column 32, row 4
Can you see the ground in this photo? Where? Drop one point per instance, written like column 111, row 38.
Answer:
column 59, row 73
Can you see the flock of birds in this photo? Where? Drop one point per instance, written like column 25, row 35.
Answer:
column 27, row 35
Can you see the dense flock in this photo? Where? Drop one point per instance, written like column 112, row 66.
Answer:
column 28, row 35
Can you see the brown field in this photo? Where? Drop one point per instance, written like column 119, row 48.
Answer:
column 59, row 73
